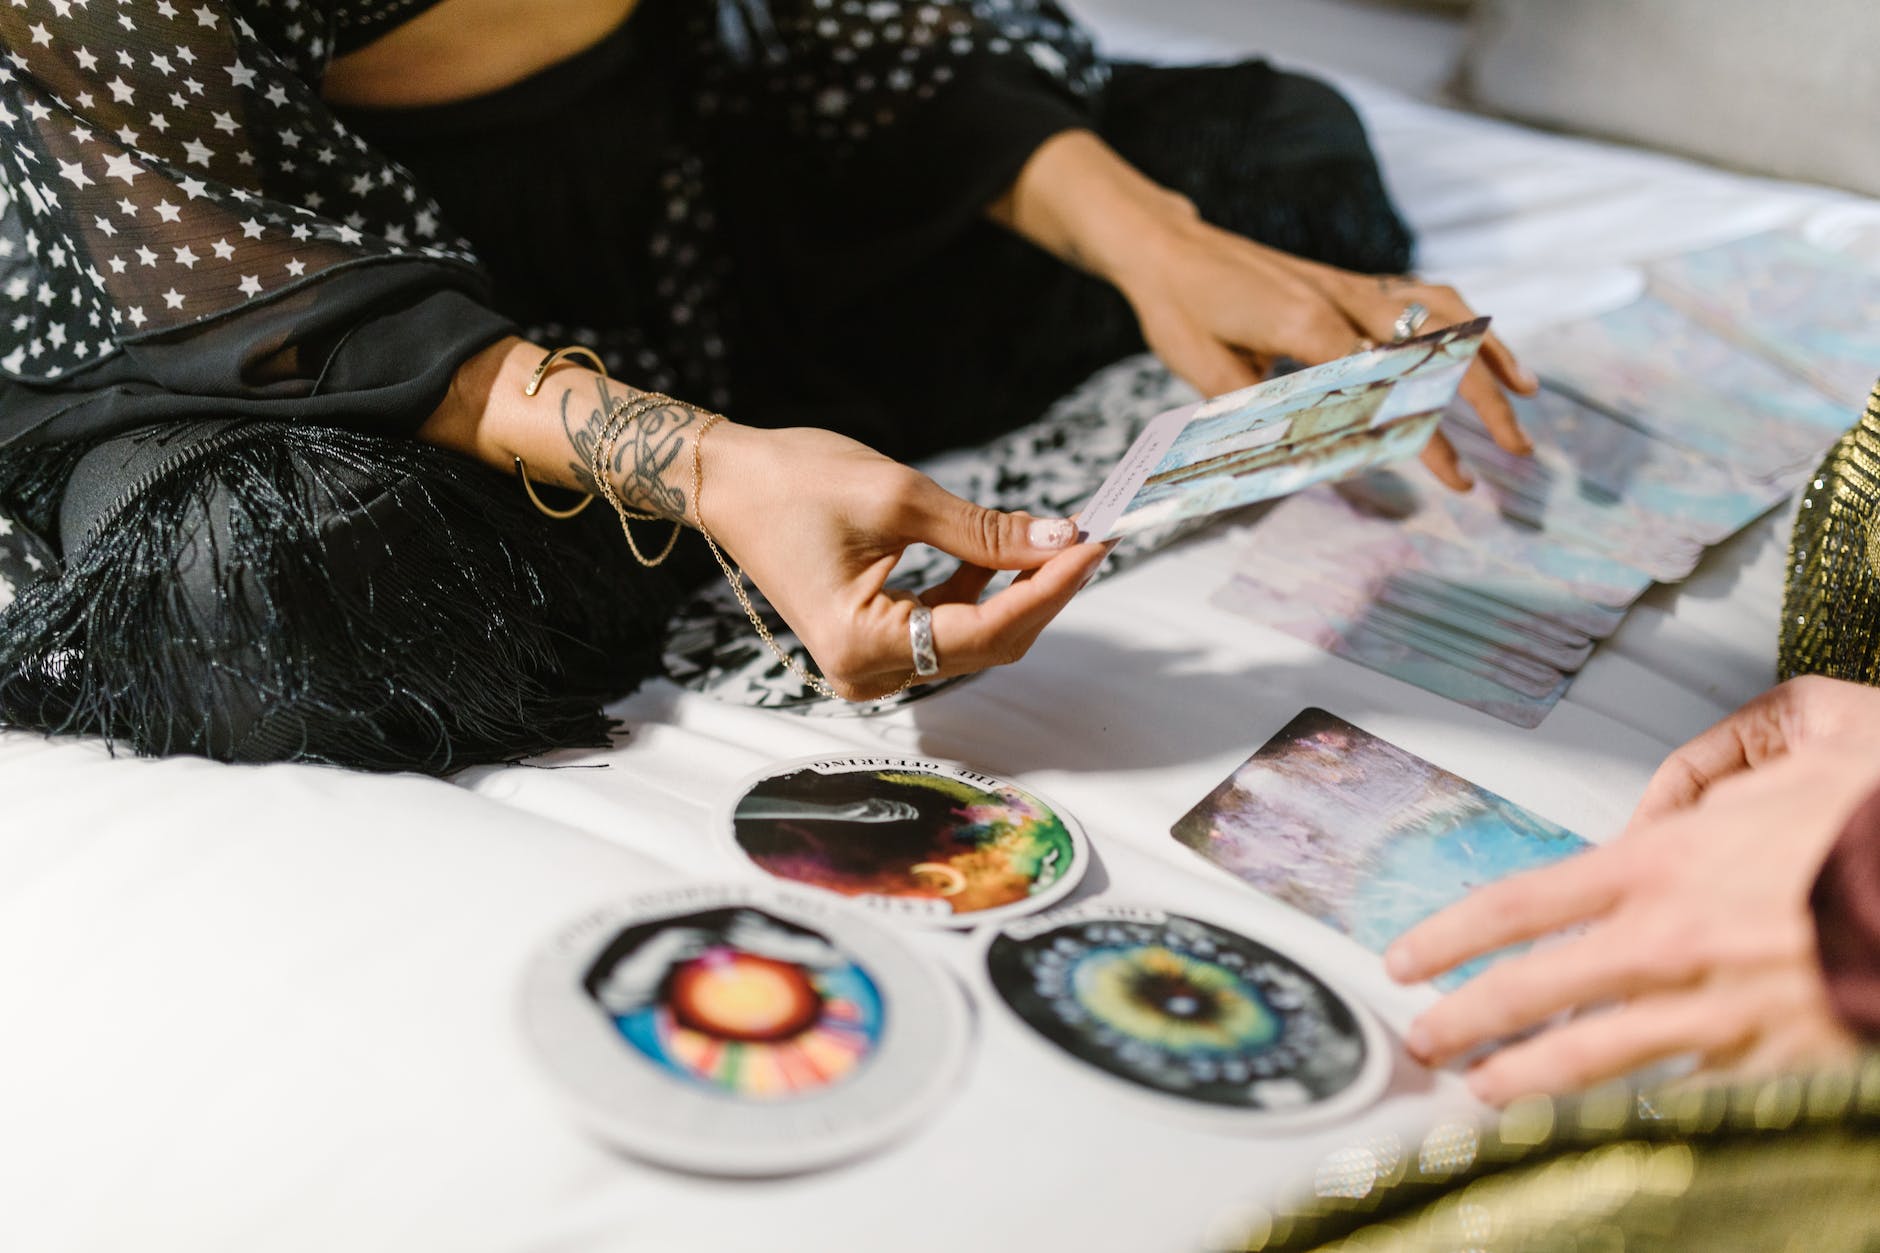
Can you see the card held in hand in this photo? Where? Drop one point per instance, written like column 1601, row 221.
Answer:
column 1326, row 422
column 1364, row 837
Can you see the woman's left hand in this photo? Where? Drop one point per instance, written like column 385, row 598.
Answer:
column 1219, row 309
column 1698, row 940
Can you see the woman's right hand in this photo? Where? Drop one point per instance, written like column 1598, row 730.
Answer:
column 818, row 522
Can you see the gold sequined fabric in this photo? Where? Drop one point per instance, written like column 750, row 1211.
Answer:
column 1787, row 1163
column 1831, row 609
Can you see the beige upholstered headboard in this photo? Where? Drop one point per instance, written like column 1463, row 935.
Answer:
column 1790, row 90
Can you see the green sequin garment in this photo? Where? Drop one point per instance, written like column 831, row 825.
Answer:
column 1784, row 1163
column 1831, row 609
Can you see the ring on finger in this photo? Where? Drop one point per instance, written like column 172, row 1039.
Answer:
column 920, row 638
column 1411, row 320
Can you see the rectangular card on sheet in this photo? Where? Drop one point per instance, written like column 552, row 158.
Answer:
column 1270, row 440
column 1365, row 837
column 1609, row 483
column 1682, row 383
column 1815, row 312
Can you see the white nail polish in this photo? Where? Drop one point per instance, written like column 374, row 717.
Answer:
column 1053, row 533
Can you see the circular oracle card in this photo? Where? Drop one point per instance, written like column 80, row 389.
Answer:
column 1233, row 1031
column 915, row 841
column 743, row 1029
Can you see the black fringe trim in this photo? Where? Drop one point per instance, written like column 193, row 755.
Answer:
column 279, row 593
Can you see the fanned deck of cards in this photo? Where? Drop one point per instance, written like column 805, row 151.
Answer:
column 1363, row 836
column 1664, row 428
column 1272, row 439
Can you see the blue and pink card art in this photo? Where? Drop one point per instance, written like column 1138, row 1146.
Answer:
column 1681, row 382
column 1814, row 312
column 1363, row 836
column 1319, row 424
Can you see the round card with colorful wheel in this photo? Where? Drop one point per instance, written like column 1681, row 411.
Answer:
column 1214, row 1024
column 743, row 1029
column 915, row 841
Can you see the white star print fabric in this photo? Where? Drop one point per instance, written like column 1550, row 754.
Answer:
column 845, row 69
column 168, row 162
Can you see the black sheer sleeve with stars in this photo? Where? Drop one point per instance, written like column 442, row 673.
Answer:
column 179, row 209
column 168, row 165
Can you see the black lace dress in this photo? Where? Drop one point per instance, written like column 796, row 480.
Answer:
column 773, row 208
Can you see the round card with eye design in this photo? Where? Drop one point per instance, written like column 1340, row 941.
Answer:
column 1236, row 1032
column 743, row 1029
column 916, row 841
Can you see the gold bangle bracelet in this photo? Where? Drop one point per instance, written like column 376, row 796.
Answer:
column 533, row 386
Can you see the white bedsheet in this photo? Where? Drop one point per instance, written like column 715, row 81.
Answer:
column 272, row 1008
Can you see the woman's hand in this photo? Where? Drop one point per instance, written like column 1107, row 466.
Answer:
column 1698, row 937
column 815, row 519
column 1790, row 718
column 1220, row 309
column 818, row 521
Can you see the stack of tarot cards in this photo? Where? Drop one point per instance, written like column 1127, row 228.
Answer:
column 1663, row 428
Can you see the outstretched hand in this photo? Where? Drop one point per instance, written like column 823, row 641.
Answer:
column 1220, row 309
column 818, row 522
column 1697, row 933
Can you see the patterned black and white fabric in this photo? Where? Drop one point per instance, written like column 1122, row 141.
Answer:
column 23, row 558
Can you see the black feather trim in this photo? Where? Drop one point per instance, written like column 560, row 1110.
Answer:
column 265, row 592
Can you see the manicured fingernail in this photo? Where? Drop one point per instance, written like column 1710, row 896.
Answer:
column 1417, row 1041
column 1479, row 1085
column 1529, row 379
column 1397, row 962
column 1052, row 533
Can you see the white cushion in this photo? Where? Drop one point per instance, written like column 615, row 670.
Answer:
column 1790, row 90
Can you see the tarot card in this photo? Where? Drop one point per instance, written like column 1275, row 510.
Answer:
column 1273, row 439
column 1368, row 839
column 1815, row 312
column 1201, row 1018
column 1594, row 475
column 1332, row 529
column 1416, row 501
column 1475, row 624
column 917, row 841
column 1357, row 634
column 1659, row 370
column 743, row 1030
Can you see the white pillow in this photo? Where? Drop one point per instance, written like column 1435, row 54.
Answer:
column 1790, row 90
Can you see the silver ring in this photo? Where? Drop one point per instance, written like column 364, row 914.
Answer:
column 1411, row 320
column 920, row 636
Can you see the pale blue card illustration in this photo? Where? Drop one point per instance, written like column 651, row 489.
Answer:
column 1367, row 838
column 1679, row 381
column 1319, row 424
column 1815, row 312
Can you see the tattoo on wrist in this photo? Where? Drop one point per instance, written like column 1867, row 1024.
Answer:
column 643, row 456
